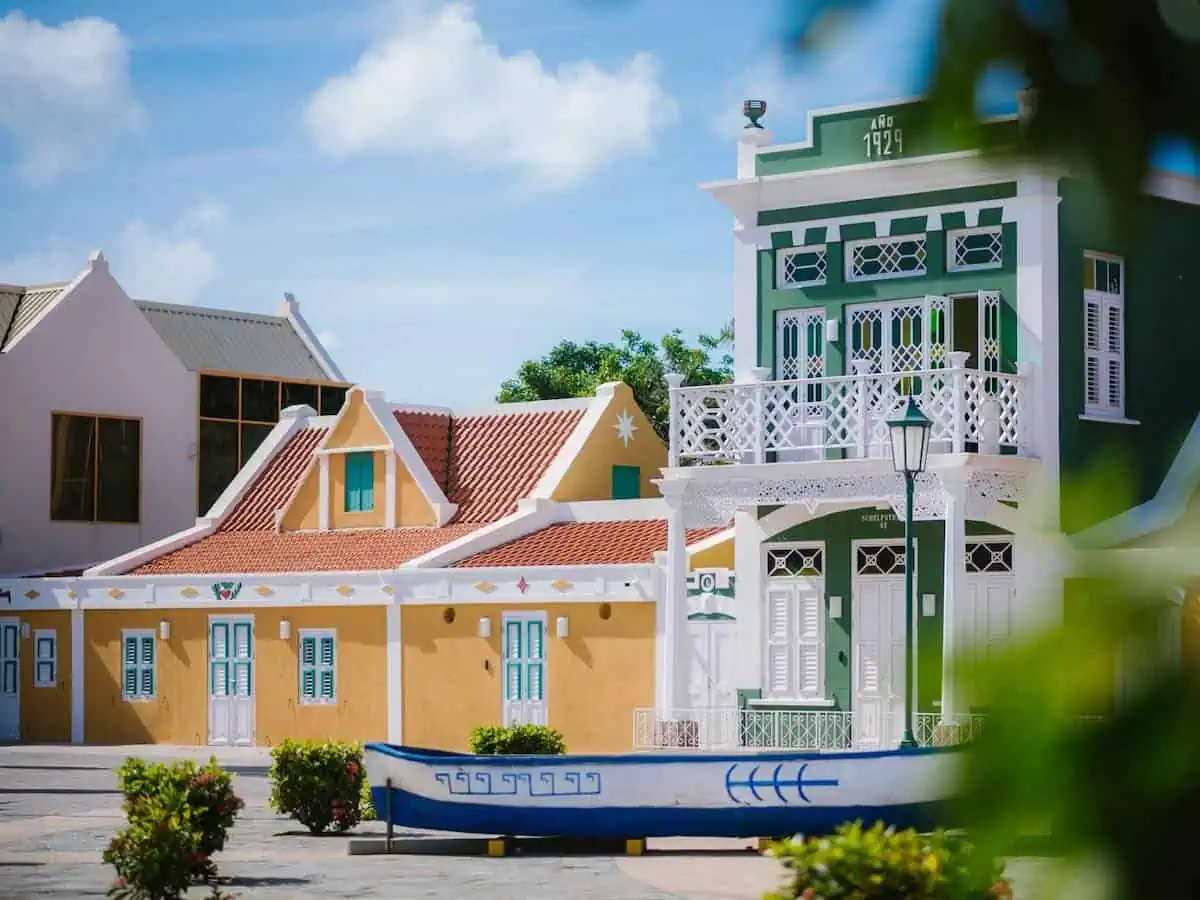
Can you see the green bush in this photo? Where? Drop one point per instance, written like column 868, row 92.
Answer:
column 516, row 739
column 884, row 864
column 321, row 784
column 179, row 815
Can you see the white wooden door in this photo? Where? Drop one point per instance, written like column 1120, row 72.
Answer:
column 988, row 613
column 524, row 668
column 798, row 415
column 711, row 683
column 10, row 679
column 879, row 657
column 231, row 682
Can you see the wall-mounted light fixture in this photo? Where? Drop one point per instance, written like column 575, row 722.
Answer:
column 929, row 605
column 485, row 627
column 560, row 626
column 164, row 630
column 835, row 607
column 285, row 629
column 24, row 629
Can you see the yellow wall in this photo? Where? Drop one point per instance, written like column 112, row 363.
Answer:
column 590, row 475
column 716, row 557
column 46, row 711
column 594, row 678
column 179, row 713
column 357, row 427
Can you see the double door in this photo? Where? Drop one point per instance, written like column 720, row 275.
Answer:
column 10, row 679
column 524, row 655
column 231, row 681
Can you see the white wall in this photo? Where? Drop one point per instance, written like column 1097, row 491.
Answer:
column 93, row 352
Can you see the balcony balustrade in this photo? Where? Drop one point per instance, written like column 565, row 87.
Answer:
column 845, row 417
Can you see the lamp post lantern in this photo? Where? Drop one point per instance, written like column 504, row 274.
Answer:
column 910, row 452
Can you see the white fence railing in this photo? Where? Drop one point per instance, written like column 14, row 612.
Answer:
column 786, row 729
column 764, row 421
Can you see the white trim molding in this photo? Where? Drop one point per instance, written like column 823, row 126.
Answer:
column 1161, row 511
column 290, row 310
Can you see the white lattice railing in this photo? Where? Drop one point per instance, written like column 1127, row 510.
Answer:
column 761, row 421
column 786, row 729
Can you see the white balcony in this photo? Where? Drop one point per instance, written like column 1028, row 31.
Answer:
column 845, row 417
column 749, row 730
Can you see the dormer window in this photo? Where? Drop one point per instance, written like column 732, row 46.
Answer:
column 360, row 482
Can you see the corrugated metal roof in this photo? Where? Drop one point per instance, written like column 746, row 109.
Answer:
column 9, row 301
column 228, row 341
column 28, row 306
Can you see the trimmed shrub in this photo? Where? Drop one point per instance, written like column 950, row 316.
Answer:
column 179, row 815
column 320, row 784
column 539, row 740
column 881, row 864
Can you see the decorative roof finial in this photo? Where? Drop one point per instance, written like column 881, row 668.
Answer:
column 754, row 110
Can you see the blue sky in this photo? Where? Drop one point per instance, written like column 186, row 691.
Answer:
column 447, row 189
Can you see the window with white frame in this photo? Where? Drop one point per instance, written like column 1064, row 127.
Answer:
column 318, row 666
column 974, row 248
column 45, row 658
column 1104, row 334
column 895, row 257
column 801, row 266
column 138, row 681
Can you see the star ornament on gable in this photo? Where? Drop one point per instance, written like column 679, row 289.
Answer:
column 625, row 427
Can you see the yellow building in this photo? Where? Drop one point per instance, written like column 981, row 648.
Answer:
column 388, row 572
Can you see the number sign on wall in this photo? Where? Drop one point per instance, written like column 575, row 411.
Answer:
column 883, row 139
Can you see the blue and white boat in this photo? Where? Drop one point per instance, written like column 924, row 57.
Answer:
column 659, row 795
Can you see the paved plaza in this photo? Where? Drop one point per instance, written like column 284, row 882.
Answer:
column 60, row 806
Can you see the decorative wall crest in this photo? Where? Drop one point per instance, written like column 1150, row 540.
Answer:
column 388, row 589
column 264, row 590
column 344, row 589
column 31, row 594
column 116, row 593
column 522, row 585
column 226, row 590
column 561, row 585
column 71, row 595
column 485, row 587
column 189, row 592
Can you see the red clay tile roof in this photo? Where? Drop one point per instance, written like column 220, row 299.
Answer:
column 497, row 460
column 430, row 435
column 274, row 487
column 494, row 461
column 585, row 544
column 302, row 551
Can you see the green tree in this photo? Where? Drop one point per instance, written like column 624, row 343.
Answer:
column 576, row 370
column 1112, row 78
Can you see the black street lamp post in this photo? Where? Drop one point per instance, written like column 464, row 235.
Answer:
column 910, row 452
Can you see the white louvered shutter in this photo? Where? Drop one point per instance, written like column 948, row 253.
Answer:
column 1104, row 353
column 810, row 650
column 242, row 651
column 781, row 674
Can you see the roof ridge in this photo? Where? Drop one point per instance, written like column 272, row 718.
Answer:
column 198, row 309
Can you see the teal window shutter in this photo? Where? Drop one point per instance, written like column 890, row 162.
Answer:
column 360, row 482
column 137, row 665
column 129, row 675
column 318, row 667
column 626, row 482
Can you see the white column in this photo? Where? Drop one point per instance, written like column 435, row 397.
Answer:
column 394, row 688
column 748, row 599
column 77, row 707
column 745, row 265
column 1037, row 315
column 672, row 680
column 389, row 502
column 323, row 492
column 955, row 630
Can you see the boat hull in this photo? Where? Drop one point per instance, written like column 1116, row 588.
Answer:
column 659, row 795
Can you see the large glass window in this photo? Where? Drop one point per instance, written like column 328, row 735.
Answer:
column 237, row 414
column 95, row 468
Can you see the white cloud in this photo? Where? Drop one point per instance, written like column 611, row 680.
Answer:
column 434, row 84
column 64, row 92
column 173, row 264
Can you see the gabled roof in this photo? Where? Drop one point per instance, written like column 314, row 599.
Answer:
column 20, row 307
column 584, row 544
column 1158, row 513
column 490, row 461
column 229, row 341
